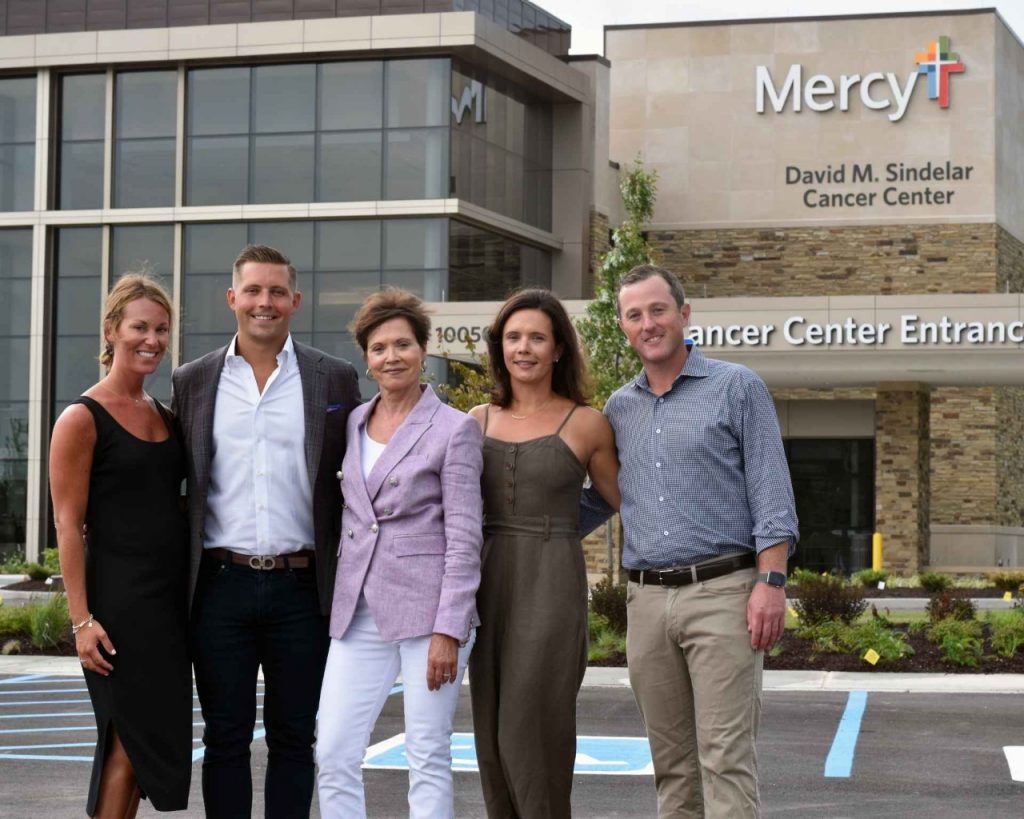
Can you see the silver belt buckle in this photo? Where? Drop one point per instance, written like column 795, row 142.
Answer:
column 262, row 563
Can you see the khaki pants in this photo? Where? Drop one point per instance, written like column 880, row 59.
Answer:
column 697, row 683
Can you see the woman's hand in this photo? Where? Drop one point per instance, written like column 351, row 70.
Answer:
column 442, row 661
column 87, row 644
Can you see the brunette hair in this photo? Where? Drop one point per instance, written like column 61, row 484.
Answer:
column 264, row 254
column 387, row 304
column 642, row 272
column 569, row 375
column 130, row 287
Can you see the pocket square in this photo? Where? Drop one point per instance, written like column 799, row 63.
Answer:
column 333, row 407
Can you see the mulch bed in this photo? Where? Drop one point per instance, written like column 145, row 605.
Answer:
column 27, row 585
column 794, row 592
column 65, row 648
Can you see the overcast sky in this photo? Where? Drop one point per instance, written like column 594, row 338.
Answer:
column 588, row 17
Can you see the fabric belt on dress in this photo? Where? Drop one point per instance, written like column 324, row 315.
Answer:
column 545, row 526
column 684, row 575
column 264, row 563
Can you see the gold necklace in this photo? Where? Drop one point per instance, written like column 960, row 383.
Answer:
column 524, row 417
column 125, row 395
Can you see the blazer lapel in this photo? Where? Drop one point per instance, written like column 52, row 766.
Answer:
column 354, row 459
column 314, row 402
column 205, row 402
column 404, row 439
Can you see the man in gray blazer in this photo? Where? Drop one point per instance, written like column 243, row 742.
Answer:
column 263, row 421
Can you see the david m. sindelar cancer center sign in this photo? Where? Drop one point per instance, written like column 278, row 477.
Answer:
column 890, row 183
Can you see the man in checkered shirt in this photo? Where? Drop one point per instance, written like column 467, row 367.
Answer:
column 709, row 519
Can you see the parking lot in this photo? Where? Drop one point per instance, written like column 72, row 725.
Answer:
column 822, row 754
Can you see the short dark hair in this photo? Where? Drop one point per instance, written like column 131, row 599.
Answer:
column 569, row 377
column 263, row 254
column 642, row 272
column 384, row 305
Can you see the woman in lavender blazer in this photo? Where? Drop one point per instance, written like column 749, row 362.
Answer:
column 408, row 568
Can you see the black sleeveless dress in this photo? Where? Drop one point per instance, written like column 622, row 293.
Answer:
column 136, row 574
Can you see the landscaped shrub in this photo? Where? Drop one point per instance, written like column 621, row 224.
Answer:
column 826, row 598
column 608, row 599
column 605, row 642
column 35, row 571
column 839, row 638
column 14, row 620
column 950, row 605
column 960, row 640
column 13, row 563
column 798, row 576
column 934, row 582
column 1007, row 633
column 870, row 577
column 1007, row 581
column 51, row 561
column 48, row 622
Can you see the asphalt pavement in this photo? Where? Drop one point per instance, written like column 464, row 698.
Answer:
column 831, row 745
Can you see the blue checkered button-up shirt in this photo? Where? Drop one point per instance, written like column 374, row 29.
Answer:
column 703, row 471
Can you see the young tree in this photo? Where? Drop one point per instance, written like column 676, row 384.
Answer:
column 612, row 360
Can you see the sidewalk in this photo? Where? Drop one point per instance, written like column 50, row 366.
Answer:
column 20, row 666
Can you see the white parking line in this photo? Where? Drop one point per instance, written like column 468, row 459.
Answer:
column 1015, row 759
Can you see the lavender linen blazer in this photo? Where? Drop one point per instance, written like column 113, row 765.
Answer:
column 411, row 533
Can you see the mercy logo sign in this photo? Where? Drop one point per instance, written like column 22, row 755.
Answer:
column 877, row 90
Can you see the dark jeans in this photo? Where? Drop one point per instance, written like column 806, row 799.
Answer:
column 244, row 619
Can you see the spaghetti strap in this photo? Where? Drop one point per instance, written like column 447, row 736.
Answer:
column 487, row 417
column 566, row 419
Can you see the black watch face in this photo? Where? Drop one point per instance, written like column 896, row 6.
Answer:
column 777, row 579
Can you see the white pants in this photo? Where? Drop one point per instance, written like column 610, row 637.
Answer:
column 361, row 670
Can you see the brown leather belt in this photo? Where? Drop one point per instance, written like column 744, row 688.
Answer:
column 266, row 563
column 684, row 575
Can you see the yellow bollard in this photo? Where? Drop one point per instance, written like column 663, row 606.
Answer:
column 876, row 551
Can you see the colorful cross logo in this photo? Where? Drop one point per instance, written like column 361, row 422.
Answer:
column 938, row 63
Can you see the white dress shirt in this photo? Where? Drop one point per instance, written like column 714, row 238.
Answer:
column 259, row 501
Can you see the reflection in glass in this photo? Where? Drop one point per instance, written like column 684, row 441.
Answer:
column 348, row 245
column 145, row 104
column 81, row 175
column 349, row 167
column 83, row 109
column 205, row 309
column 83, row 106
column 416, row 164
column 284, row 98
column 418, row 93
column 282, row 168
column 79, row 252
column 414, row 243
column 213, row 248
column 14, row 368
column 17, row 177
column 144, row 173
column 351, row 95
column 485, row 267
column 218, row 101
column 138, row 248
column 293, row 239
column 217, row 170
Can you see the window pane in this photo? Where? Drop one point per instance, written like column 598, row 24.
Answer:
column 293, row 239
column 14, row 369
column 17, row 176
column 351, row 95
column 143, row 247
column 418, row 93
column 81, row 175
column 338, row 296
column 284, row 98
column 15, row 308
column 282, row 169
column 417, row 164
column 159, row 383
column 350, row 166
column 429, row 285
column 206, row 308
column 192, row 347
column 217, row 171
column 218, row 101
column 83, row 106
column 146, row 104
column 79, row 252
column 18, row 109
column 15, row 253
column 348, row 245
column 213, row 248
column 76, row 366
column 414, row 243
column 78, row 306
column 144, row 173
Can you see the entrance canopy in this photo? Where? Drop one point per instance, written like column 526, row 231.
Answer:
column 826, row 341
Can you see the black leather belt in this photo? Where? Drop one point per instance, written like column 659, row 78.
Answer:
column 684, row 575
column 264, row 563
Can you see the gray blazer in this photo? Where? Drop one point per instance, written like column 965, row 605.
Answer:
column 330, row 390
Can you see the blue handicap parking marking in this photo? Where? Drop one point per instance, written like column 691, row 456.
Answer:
column 595, row 756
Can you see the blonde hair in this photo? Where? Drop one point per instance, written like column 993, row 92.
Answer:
column 130, row 287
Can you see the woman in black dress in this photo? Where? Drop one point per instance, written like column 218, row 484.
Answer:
column 116, row 466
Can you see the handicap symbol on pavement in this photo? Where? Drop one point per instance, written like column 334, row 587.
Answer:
column 595, row 756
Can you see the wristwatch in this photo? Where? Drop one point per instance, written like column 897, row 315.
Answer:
column 776, row 579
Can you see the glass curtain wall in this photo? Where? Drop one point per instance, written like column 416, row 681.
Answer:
column 145, row 129
column 327, row 132
column 501, row 146
column 484, row 266
column 15, row 311
column 17, row 143
column 83, row 102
